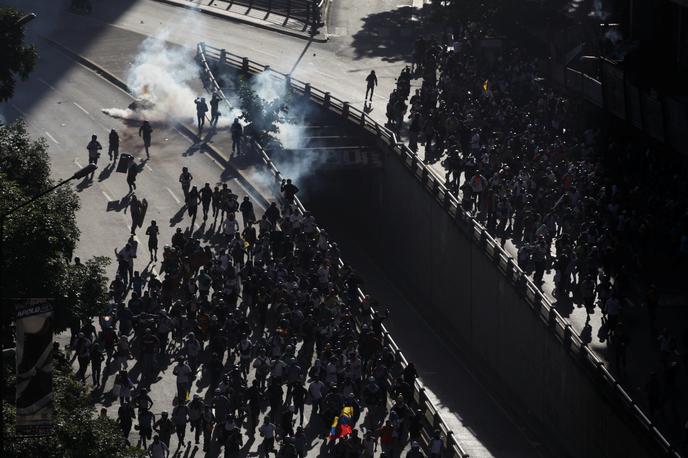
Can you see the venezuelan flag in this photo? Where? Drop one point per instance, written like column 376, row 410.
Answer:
column 341, row 426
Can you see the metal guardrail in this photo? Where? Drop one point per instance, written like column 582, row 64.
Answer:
column 434, row 184
column 305, row 11
column 433, row 420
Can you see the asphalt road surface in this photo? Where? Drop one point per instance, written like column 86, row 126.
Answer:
column 67, row 114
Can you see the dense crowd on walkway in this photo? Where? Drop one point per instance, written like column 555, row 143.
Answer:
column 266, row 335
column 603, row 212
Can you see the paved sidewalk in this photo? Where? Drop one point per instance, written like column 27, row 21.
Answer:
column 270, row 20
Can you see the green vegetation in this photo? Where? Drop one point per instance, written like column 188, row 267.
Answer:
column 78, row 431
column 18, row 59
column 261, row 115
column 39, row 240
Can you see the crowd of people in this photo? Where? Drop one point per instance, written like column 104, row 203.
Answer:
column 608, row 214
column 265, row 334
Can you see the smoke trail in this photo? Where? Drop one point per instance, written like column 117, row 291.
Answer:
column 160, row 80
column 269, row 87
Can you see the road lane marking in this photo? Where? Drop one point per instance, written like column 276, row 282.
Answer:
column 217, row 163
column 51, row 137
column 149, row 168
column 76, row 161
column 173, row 196
column 81, row 108
column 106, row 196
column 18, row 110
column 47, row 83
column 184, row 136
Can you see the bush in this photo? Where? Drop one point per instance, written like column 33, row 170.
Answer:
column 77, row 432
column 39, row 240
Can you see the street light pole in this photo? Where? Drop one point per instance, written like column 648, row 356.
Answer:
column 90, row 168
column 22, row 21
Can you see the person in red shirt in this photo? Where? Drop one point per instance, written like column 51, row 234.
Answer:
column 386, row 436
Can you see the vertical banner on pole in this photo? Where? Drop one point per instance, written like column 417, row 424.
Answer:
column 34, row 330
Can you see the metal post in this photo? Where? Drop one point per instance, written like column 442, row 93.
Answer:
column 345, row 109
column 223, row 56
column 327, row 100
column 244, row 64
column 307, row 90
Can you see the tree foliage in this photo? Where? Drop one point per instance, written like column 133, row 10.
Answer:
column 84, row 290
column 261, row 115
column 39, row 239
column 77, row 433
column 18, row 59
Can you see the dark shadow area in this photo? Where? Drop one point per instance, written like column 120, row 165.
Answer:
column 390, row 34
column 118, row 205
column 107, row 171
column 53, row 22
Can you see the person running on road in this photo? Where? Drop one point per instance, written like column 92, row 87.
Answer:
column 185, row 179
column 164, row 427
column 371, row 79
column 132, row 171
column 93, row 148
column 145, row 131
column 247, row 213
column 146, row 420
column 125, row 418
column 237, row 133
column 152, row 232
column 216, row 201
column 136, row 207
column 289, row 191
column 158, row 449
column 206, row 198
column 113, row 145
column 180, row 416
column 201, row 110
column 192, row 199
column 183, row 372
column 214, row 110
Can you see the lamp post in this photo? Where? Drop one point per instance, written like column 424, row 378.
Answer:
column 22, row 21
column 84, row 172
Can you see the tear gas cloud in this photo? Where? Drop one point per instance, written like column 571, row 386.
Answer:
column 160, row 80
column 292, row 133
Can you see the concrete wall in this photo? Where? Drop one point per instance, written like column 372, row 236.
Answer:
column 472, row 302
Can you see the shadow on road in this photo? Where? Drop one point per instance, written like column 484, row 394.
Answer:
column 389, row 34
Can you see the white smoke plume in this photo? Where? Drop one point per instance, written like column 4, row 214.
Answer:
column 296, row 162
column 269, row 86
column 160, row 80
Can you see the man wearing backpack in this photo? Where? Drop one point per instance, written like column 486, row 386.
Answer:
column 158, row 449
column 93, row 148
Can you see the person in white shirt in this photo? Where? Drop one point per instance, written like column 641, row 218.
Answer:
column 183, row 372
column 230, row 226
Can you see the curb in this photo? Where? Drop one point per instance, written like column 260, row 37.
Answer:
column 211, row 11
column 210, row 149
